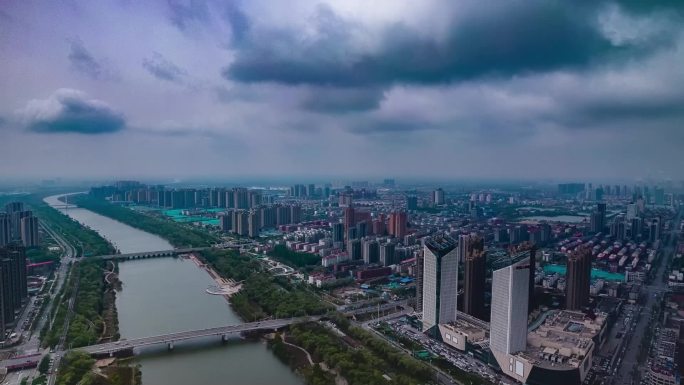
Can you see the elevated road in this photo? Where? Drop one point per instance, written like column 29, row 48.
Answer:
column 171, row 338
column 167, row 339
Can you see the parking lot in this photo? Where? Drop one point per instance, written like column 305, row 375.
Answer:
column 460, row 360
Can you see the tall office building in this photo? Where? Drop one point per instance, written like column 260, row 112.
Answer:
column 531, row 303
column 338, row 232
column 475, row 262
column 659, row 194
column 463, row 245
column 598, row 218
column 400, row 223
column 228, row 198
column 419, row 279
column 226, row 221
column 379, row 226
column 268, row 216
column 654, row 230
column 545, row 233
column 6, row 296
column 240, row 222
column 349, row 219
column 240, row 198
column 371, row 251
column 178, row 199
column 12, row 207
column 346, row 199
column 234, row 221
column 5, row 229
column 29, row 231
column 253, row 224
column 578, row 279
column 13, row 281
column 621, row 231
column 362, row 229
column 221, row 198
column 254, row 198
column 16, row 211
column 387, row 254
column 295, row 214
column 411, row 203
column 508, row 320
column 17, row 252
column 16, row 218
column 618, row 228
column 636, row 228
column 440, row 281
column 438, row 197
column 283, row 215
column 354, row 249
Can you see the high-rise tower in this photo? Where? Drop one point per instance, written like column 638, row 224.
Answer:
column 349, row 219
column 508, row 320
column 475, row 275
column 29, row 231
column 578, row 279
column 440, row 281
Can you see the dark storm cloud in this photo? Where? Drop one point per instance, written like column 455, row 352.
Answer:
column 238, row 20
column 341, row 100
column 184, row 13
column 83, row 61
column 623, row 109
column 515, row 37
column 71, row 111
column 390, row 126
column 163, row 69
column 641, row 6
column 635, row 109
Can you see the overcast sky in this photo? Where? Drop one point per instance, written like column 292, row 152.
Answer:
column 582, row 89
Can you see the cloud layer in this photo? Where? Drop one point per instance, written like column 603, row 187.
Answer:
column 464, row 88
column 71, row 111
column 163, row 69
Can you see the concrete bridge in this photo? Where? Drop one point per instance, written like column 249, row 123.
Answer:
column 150, row 254
column 110, row 348
column 375, row 308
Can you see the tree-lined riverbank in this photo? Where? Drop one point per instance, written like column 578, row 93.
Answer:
column 179, row 235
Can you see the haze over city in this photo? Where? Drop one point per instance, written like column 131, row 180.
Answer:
column 341, row 192
column 429, row 89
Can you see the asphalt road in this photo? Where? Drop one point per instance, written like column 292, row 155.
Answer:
column 31, row 342
column 629, row 360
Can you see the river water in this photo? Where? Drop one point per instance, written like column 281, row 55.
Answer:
column 168, row 295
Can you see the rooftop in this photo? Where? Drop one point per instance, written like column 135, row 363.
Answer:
column 474, row 332
column 441, row 245
column 563, row 340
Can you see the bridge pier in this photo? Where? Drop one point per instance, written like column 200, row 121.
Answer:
column 224, row 338
column 170, row 345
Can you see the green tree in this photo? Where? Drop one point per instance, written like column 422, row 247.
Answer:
column 44, row 364
column 76, row 365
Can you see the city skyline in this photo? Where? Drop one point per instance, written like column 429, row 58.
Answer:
column 234, row 89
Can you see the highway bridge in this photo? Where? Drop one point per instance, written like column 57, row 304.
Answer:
column 375, row 308
column 109, row 348
column 170, row 338
column 150, row 254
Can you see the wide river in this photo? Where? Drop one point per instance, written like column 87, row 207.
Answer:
column 168, row 295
